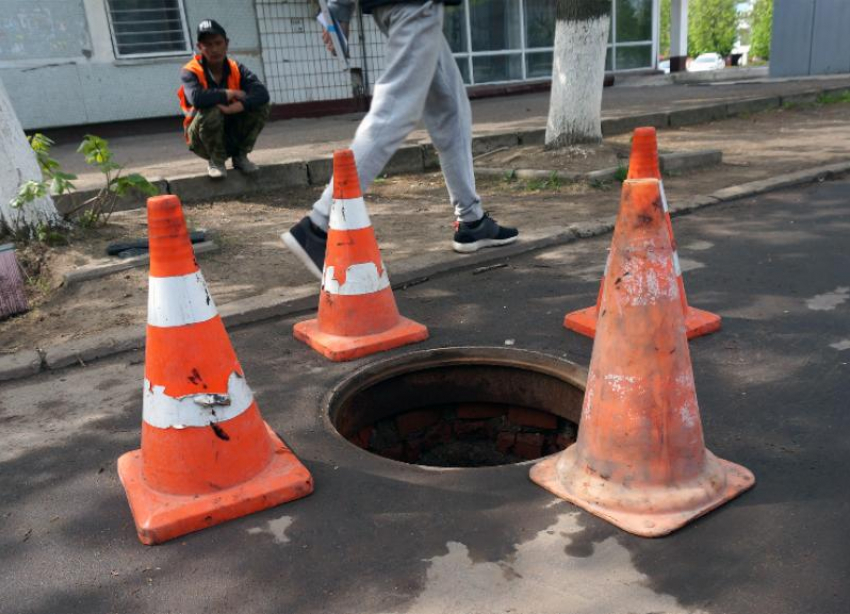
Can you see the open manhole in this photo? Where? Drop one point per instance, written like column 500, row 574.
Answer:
column 461, row 407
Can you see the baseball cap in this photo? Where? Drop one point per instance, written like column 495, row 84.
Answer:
column 210, row 26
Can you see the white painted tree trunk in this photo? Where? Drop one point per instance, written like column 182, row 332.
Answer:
column 578, row 72
column 18, row 164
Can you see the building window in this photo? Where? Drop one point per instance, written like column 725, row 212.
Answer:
column 148, row 27
column 497, row 41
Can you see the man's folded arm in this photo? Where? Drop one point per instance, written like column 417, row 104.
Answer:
column 197, row 96
column 256, row 94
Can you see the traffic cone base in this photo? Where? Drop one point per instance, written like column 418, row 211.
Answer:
column 697, row 322
column 582, row 321
column 160, row 516
column 647, row 512
column 342, row 348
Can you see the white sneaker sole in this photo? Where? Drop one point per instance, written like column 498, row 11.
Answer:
column 294, row 246
column 468, row 248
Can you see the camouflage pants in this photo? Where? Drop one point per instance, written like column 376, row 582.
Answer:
column 216, row 136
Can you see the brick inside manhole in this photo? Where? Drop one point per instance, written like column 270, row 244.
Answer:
column 462, row 407
column 467, row 435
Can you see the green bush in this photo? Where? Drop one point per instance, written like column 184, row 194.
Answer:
column 96, row 210
column 762, row 25
column 712, row 26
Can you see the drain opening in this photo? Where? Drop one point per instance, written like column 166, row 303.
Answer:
column 461, row 407
column 467, row 435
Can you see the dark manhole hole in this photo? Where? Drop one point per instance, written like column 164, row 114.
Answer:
column 461, row 407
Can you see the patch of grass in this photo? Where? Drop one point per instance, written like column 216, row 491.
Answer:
column 797, row 106
column 45, row 234
column 51, row 236
column 622, row 173
column 553, row 182
column 834, row 97
column 39, row 285
column 380, row 180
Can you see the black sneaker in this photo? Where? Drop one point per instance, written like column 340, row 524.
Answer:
column 472, row 236
column 308, row 242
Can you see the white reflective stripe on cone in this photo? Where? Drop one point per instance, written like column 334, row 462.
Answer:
column 359, row 279
column 163, row 411
column 349, row 214
column 180, row 300
column 663, row 196
column 676, row 266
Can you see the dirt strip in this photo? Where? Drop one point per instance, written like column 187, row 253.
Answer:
column 411, row 216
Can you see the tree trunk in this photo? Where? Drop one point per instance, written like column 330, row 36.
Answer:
column 578, row 71
column 18, row 164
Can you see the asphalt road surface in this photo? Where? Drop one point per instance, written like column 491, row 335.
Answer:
column 379, row 536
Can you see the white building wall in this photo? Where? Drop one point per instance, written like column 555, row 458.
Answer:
column 59, row 67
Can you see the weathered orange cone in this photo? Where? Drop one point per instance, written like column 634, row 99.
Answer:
column 643, row 164
column 640, row 461
column 206, row 455
column 357, row 310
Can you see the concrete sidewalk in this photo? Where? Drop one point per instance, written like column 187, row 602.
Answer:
column 164, row 155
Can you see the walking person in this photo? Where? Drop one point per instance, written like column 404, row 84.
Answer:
column 421, row 81
column 225, row 105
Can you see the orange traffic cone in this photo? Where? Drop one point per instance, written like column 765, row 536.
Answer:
column 206, row 454
column 640, row 461
column 357, row 311
column 643, row 164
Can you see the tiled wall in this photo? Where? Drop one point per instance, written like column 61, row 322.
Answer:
column 298, row 68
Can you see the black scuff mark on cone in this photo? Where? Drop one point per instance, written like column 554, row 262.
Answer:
column 219, row 432
column 196, row 379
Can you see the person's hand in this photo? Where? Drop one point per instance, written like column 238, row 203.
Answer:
column 232, row 108
column 235, row 95
column 328, row 41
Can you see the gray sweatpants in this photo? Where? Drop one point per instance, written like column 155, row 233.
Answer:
column 421, row 80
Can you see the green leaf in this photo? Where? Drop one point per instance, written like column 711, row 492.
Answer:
column 40, row 143
column 64, row 176
column 96, row 150
column 60, row 185
column 28, row 192
column 133, row 181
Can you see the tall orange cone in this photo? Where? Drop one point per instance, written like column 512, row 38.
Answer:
column 206, row 454
column 357, row 310
column 643, row 164
column 640, row 461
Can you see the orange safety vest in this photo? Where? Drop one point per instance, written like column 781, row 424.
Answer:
column 234, row 82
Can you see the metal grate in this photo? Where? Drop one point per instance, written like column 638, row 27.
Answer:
column 297, row 66
column 148, row 27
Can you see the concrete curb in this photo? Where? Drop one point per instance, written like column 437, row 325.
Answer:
column 669, row 162
column 112, row 265
column 423, row 158
column 304, row 298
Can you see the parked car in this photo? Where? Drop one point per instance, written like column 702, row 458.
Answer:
column 707, row 61
column 664, row 66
